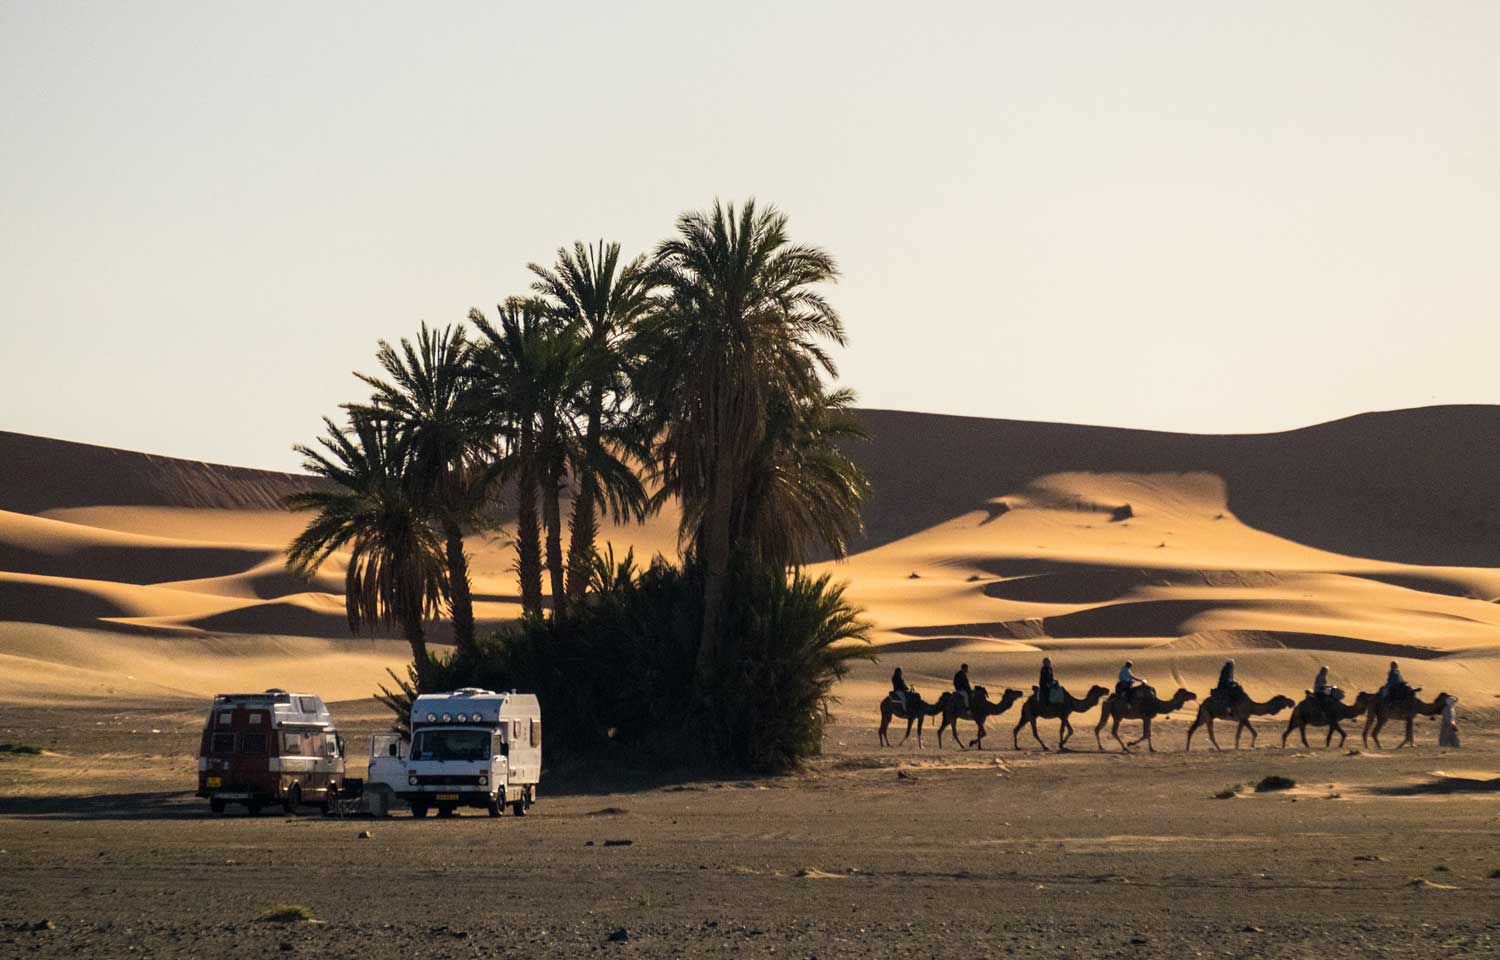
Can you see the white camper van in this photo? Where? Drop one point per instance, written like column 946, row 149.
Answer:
column 469, row 748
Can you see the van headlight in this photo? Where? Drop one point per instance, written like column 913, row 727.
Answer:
column 447, row 718
column 411, row 780
column 484, row 779
column 463, row 718
column 432, row 718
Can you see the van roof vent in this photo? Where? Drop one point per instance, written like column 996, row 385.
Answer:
column 275, row 690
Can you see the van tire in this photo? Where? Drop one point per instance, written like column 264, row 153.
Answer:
column 216, row 805
column 445, row 812
column 293, row 800
column 518, row 808
column 494, row 808
column 419, row 810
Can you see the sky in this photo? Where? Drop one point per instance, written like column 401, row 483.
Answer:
column 1213, row 218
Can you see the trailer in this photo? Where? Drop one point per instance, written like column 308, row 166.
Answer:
column 469, row 748
column 273, row 747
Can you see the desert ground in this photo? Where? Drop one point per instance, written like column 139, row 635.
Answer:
column 134, row 587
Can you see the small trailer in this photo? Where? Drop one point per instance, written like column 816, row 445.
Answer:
column 469, row 748
column 273, row 747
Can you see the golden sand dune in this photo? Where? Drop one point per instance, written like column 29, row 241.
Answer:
column 989, row 541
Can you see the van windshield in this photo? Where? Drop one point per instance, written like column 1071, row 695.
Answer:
column 470, row 745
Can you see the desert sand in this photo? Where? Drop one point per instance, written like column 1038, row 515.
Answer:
column 133, row 587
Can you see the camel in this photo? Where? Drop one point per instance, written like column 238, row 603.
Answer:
column 1315, row 712
column 915, row 709
column 980, row 708
column 1381, row 710
column 1240, row 709
column 1030, row 713
column 1143, row 705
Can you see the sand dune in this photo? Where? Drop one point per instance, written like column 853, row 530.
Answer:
column 988, row 540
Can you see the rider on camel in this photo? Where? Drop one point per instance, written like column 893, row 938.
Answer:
column 1396, row 687
column 1322, row 689
column 899, row 688
column 1046, row 683
column 1127, row 680
column 1227, row 689
column 961, row 683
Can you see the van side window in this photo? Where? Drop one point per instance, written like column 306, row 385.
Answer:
column 252, row 743
column 291, row 744
column 536, row 733
column 308, row 704
column 226, row 718
column 222, row 743
column 255, row 718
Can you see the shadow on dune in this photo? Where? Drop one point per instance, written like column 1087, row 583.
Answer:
column 1412, row 486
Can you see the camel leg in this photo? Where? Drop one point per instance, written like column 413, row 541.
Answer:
column 1103, row 719
column 978, row 741
column 1064, row 731
column 1037, row 736
column 1332, row 729
column 1211, row 738
column 920, row 718
column 1197, row 721
column 1245, row 725
column 1408, row 742
column 1375, row 734
column 885, row 723
column 1146, row 735
column 909, row 721
column 1114, row 731
column 1364, row 735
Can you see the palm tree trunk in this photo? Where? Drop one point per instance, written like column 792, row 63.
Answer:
column 461, row 597
column 552, row 518
column 528, row 528
column 585, row 525
column 716, row 528
column 412, row 628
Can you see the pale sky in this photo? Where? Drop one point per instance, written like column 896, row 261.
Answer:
column 1191, row 216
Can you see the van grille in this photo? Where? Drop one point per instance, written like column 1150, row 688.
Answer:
column 447, row 780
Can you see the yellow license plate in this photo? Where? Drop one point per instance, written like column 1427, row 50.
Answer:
column 447, row 796
column 213, row 782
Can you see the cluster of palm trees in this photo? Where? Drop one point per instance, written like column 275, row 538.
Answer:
column 699, row 372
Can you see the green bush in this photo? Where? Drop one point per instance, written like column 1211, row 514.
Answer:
column 620, row 676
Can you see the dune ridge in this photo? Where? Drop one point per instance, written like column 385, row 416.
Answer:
column 993, row 540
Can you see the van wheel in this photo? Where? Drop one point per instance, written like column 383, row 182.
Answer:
column 293, row 800
column 419, row 810
column 216, row 805
column 445, row 812
column 494, row 808
column 518, row 808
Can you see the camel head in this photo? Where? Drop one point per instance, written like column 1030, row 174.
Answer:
column 1009, row 697
column 1096, row 692
column 1436, row 706
column 1182, row 696
column 1279, row 703
column 1362, row 700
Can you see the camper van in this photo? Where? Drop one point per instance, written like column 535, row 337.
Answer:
column 469, row 748
column 272, row 747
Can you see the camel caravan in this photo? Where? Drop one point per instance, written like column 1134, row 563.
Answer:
column 1134, row 699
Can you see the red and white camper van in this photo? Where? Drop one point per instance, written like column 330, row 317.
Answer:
column 272, row 747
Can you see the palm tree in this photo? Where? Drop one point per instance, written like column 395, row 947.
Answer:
column 804, row 491
column 588, row 289
column 396, row 573
column 429, row 400
column 527, row 371
column 738, row 324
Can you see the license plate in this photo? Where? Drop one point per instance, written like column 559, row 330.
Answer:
column 447, row 796
column 213, row 781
